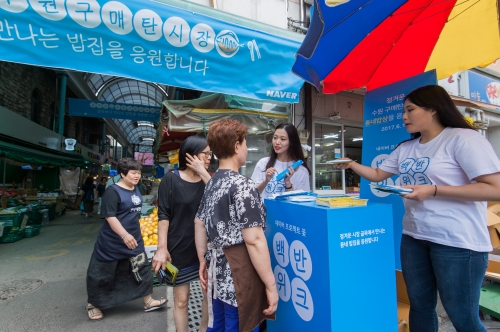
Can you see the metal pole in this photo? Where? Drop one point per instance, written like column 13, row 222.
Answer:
column 301, row 13
column 55, row 122
column 62, row 104
column 116, row 149
column 4, row 173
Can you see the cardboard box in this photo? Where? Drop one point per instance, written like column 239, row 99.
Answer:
column 403, row 304
column 494, row 224
column 493, row 270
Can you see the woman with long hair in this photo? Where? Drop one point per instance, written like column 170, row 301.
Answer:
column 229, row 232
column 452, row 171
column 119, row 271
column 285, row 151
column 179, row 196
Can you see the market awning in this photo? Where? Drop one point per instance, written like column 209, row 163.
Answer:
column 195, row 116
column 460, row 101
column 164, row 41
column 22, row 155
column 198, row 114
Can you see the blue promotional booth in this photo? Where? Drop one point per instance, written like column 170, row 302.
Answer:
column 334, row 267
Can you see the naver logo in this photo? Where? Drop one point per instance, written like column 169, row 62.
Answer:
column 281, row 94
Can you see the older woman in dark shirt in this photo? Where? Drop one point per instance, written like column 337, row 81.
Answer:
column 119, row 270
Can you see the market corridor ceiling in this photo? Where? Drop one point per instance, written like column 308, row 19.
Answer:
column 129, row 91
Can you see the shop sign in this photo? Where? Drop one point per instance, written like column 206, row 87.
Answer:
column 70, row 144
column 149, row 41
column 102, row 109
column 495, row 66
column 484, row 88
column 383, row 130
column 451, row 84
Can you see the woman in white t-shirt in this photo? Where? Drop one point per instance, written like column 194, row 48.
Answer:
column 453, row 171
column 286, row 150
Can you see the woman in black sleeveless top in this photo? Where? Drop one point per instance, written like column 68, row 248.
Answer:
column 179, row 196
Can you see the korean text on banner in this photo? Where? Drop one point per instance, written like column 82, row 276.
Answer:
column 383, row 130
column 149, row 41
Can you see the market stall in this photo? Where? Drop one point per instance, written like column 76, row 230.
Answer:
column 334, row 267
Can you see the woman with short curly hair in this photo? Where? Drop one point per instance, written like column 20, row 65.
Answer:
column 230, row 240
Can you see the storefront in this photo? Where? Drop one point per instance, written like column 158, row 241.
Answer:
column 32, row 160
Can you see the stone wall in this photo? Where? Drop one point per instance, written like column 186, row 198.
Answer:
column 20, row 83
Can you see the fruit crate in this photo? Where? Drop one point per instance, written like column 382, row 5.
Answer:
column 31, row 231
column 12, row 236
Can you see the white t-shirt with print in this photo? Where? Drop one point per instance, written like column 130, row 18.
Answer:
column 299, row 180
column 454, row 158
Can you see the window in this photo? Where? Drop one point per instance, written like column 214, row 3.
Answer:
column 36, row 106
column 327, row 145
column 77, row 131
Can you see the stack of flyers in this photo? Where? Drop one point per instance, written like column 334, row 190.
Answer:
column 284, row 194
column 339, row 161
column 396, row 190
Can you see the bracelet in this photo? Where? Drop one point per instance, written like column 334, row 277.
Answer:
column 435, row 190
column 289, row 187
column 124, row 236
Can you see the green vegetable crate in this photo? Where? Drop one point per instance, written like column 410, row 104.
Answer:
column 489, row 301
column 12, row 236
column 31, row 231
column 14, row 219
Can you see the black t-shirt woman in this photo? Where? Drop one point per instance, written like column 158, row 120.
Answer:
column 88, row 196
column 119, row 270
column 179, row 196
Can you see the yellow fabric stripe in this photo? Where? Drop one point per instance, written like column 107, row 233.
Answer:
column 468, row 40
column 237, row 110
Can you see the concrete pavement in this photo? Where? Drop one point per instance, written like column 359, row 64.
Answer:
column 56, row 261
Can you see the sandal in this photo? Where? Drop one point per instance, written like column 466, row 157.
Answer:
column 148, row 307
column 94, row 312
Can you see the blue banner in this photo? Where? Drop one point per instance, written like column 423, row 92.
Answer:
column 484, row 88
column 149, row 41
column 103, row 109
column 383, row 130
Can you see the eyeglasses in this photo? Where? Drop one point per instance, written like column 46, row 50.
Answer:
column 207, row 154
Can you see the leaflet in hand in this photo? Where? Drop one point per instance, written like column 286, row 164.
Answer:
column 339, row 161
column 284, row 194
column 396, row 190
